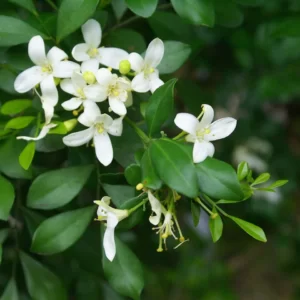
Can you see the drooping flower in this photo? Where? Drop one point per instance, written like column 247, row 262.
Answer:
column 100, row 125
column 156, row 207
column 53, row 64
column 147, row 75
column 112, row 217
column 92, row 35
column 201, row 133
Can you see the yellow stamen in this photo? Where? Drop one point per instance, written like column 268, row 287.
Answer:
column 93, row 52
column 139, row 187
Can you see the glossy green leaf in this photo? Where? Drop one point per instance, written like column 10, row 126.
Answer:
column 72, row 14
column 143, row 8
column 175, row 55
column 278, row 183
column 7, row 197
column 7, row 78
column 218, row 180
column 133, row 174
column 59, row 129
column 19, row 122
column 26, row 156
column 56, row 188
column 119, row 8
column 195, row 11
column 216, row 227
column 124, row 273
column 41, row 283
column 11, row 291
column 14, row 107
column 261, row 179
column 195, row 210
column 253, row 230
column 242, row 170
column 27, row 4
column 160, row 107
column 32, row 220
column 174, row 165
column 119, row 193
column 58, row 233
column 15, row 31
column 228, row 13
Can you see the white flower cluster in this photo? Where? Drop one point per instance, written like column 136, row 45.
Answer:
column 89, row 84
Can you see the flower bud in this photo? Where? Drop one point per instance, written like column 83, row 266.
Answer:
column 124, row 67
column 70, row 124
column 139, row 187
column 57, row 81
column 89, row 77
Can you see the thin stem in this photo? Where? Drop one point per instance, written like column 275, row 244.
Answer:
column 131, row 210
column 180, row 135
column 52, row 4
column 138, row 131
column 197, row 199
column 217, row 207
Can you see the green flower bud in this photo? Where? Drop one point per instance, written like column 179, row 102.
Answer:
column 89, row 77
column 57, row 81
column 124, row 67
column 70, row 124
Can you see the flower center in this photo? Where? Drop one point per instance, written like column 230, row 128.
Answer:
column 89, row 77
column 81, row 93
column 100, row 127
column 47, row 68
column 113, row 90
column 93, row 52
column 202, row 132
column 148, row 70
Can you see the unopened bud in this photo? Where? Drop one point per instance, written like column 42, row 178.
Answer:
column 89, row 77
column 214, row 215
column 139, row 187
column 160, row 249
column 181, row 239
column 124, row 67
column 70, row 124
column 75, row 113
column 57, row 81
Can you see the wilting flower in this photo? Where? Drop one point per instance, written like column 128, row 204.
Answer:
column 53, row 64
column 203, row 132
column 92, row 35
column 112, row 217
column 156, row 207
column 100, row 125
column 147, row 78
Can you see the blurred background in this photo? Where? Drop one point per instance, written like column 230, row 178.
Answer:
column 248, row 67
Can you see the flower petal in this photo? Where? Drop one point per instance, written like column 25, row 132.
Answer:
column 156, row 208
column 117, row 106
column 116, row 128
column 79, row 52
column 155, row 82
column 67, row 86
column 92, row 33
column 56, row 55
column 41, row 135
column 186, row 122
column 65, row 69
column 95, row 92
column 48, row 111
column 207, row 117
column 220, row 129
column 136, row 61
column 201, row 150
column 129, row 100
column 111, row 57
column 36, row 50
column 104, row 77
column 103, row 147
column 49, row 91
column 90, row 114
column 79, row 138
column 109, row 236
column 140, row 84
column 91, row 65
column 155, row 53
column 28, row 79
column 71, row 104
column 106, row 120
column 78, row 81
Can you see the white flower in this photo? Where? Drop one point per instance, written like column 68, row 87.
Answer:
column 92, row 35
column 167, row 228
column 116, row 89
column 46, row 128
column 203, row 132
column 79, row 88
column 156, row 207
column 147, row 77
column 89, row 70
column 99, row 127
column 112, row 217
column 52, row 64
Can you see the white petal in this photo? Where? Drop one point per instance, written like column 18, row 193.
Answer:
column 190, row 138
column 90, row 114
column 117, row 106
column 104, row 77
column 56, row 55
column 28, row 79
column 91, row 65
column 111, row 57
column 78, row 81
column 186, row 122
column 155, row 82
column 36, row 50
column 140, row 84
column 103, row 147
column 49, row 112
column 116, row 128
column 109, row 236
column 136, row 61
column 71, row 104
column 92, row 33
column 220, row 129
column 129, row 100
column 207, row 117
column 156, row 208
column 65, row 69
column 49, row 91
column 79, row 138
column 42, row 134
column 201, row 150
column 95, row 92
column 106, row 120
column 67, row 86
column 155, row 53
column 79, row 52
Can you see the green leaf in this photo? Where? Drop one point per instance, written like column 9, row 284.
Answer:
column 7, row 78
column 253, row 230
column 160, row 106
column 218, row 180
column 58, row 233
column 32, row 219
column 59, row 129
column 133, row 174
column 56, row 188
column 143, row 8
column 119, row 194
column 216, row 227
column 242, row 170
column 175, row 55
column 124, row 273
column 119, row 8
column 250, row 2
column 174, row 165
column 228, row 14
column 288, row 27
column 195, row 11
column 3, row 235
column 1, row 252
column 150, row 178
column 261, row 179
column 14, row 107
column 27, row 4
column 7, row 195
column 277, row 183
column 195, row 210
column 26, row 156
column 15, row 31
column 11, row 291
column 19, row 122
column 41, row 283
column 72, row 14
